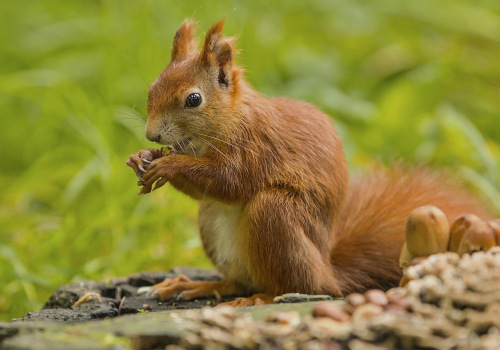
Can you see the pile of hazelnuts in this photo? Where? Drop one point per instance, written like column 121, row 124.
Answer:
column 359, row 307
column 429, row 232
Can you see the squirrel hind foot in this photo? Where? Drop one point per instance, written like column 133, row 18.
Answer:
column 189, row 290
column 254, row 300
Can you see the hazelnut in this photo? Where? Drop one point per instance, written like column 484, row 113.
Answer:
column 427, row 233
column 405, row 258
column 331, row 310
column 366, row 311
column 458, row 229
column 395, row 295
column 353, row 300
column 397, row 309
column 495, row 226
column 377, row 297
column 404, row 281
column 479, row 236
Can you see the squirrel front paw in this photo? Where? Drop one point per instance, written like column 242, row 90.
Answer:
column 141, row 160
column 158, row 173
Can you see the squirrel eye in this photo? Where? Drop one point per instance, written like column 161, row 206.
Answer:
column 193, row 100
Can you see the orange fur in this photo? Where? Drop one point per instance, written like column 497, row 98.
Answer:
column 275, row 214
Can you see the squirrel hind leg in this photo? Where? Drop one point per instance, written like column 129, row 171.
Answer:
column 280, row 248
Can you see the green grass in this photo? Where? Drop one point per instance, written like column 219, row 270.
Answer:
column 418, row 80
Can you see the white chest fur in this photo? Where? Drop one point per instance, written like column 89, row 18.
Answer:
column 220, row 233
column 225, row 226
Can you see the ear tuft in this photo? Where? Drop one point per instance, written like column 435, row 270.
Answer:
column 214, row 34
column 183, row 40
column 217, row 54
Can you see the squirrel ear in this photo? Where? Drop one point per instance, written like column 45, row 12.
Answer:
column 183, row 40
column 224, row 59
column 217, row 54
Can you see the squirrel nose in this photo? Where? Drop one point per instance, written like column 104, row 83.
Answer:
column 152, row 136
column 156, row 138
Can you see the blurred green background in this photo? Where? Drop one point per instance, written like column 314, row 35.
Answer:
column 417, row 80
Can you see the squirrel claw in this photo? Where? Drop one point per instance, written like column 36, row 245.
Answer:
column 162, row 181
column 146, row 161
column 141, row 168
column 144, row 190
column 144, row 290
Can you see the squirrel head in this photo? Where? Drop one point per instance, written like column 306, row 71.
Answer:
column 189, row 103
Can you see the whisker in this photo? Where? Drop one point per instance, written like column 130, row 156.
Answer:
column 129, row 117
column 137, row 113
column 204, row 194
column 218, row 150
column 140, row 73
column 180, row 146
column 232, row 136
column 191, row 145
column 130, row 120
column 228, row 143
column 131, row 114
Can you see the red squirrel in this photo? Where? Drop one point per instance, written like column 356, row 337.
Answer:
column 277, row 213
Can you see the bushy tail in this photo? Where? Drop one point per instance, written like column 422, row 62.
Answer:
column 371, row 231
